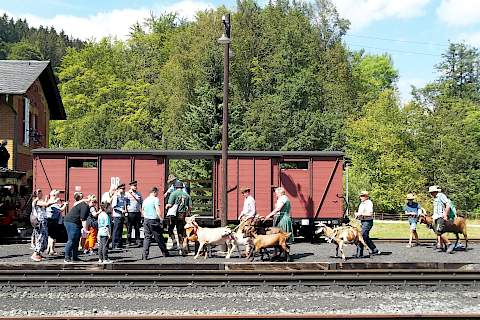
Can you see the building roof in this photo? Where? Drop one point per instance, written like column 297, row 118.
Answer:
column 190, row 154
column 17, row 76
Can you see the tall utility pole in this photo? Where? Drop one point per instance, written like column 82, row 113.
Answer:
column 225, row 40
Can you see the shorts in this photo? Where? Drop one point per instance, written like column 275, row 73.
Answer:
column 413, row 223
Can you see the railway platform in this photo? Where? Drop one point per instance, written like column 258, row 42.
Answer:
column 303, row 252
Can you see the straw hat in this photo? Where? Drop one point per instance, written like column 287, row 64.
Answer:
column 410, row 196
column 171, row 178
column 364, row 193
column 434, row 189
column 244, row 189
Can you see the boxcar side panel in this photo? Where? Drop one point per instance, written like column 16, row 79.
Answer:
column 333, row 204
column 115, row 168
column 149, row 172
column 263, row 186
column 84, row 180
column 297, row 187
column 49, row 173
column 232, row 182
column 245, row 179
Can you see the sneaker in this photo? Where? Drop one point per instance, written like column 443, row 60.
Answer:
column 67, row 261
column 409, row 246
column 36, row 257
column 107, row 261
column 100, row 261
column 376, row 252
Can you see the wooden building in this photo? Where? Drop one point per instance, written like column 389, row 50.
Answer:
column 29, row 98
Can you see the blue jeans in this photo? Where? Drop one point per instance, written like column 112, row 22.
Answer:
column 73, row 234
column 366, row 227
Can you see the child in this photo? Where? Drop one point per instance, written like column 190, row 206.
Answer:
column 103, row 234
column 412, row 210
column 92, row 227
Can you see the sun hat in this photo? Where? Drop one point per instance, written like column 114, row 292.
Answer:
column 244, row 189
column 171, row 178
column 410, row 196
column 364, row 193
column 434, row 189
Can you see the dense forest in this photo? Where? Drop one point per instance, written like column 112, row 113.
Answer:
column 18, row 41
column 294, row 85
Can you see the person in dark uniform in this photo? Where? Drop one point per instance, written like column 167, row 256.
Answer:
column 134, row 218
column 4, row 155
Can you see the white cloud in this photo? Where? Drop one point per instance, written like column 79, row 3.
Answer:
column 363, row 12
column 472, row 39
column 459, row 12
column 112, row 23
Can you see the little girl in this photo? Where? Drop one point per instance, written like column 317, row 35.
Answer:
column 103, row 234
column 92, row 227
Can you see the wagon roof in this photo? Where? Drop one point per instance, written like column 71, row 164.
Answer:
column 190, row 153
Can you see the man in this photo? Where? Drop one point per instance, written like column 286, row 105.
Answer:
column 119, row 209
column 249, row 209
column 152, row 224
column 172, row 179
column 365, row 215
column 4, row 155
column 441, row 209
column 183, row 203
column 133, row 213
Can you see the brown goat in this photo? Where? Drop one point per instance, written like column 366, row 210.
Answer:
column 341, row 236
column 459, row 225
column 264, row 241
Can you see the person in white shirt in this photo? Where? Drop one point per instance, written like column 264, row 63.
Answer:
column 249, row 210
column 365, row 215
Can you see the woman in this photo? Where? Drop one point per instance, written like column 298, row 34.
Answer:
column 282, row 218
column 55, row 213
column 40, row 229
column 75, row 219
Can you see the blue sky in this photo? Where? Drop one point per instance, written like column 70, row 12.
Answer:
column 413, row 32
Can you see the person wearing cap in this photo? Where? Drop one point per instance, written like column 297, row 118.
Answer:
column 134, row 216
column 119, row 210
column 172, row 179
column 365, row 215
column 183, row 203
column 249, row 209
column 4, row 154
column 441, row 209
column 412, row 211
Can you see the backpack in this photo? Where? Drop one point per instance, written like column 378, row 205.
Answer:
column 181, row 203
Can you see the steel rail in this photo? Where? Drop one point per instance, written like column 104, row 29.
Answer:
column 267, row 316
column 182, row 278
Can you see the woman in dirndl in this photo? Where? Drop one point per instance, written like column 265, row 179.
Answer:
column 281, row 213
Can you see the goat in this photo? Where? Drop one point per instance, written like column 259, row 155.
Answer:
column 240, row 238
column 459, row 225
column 210, row 236
column 256, row 227
column 264, row 241
column 341, row 236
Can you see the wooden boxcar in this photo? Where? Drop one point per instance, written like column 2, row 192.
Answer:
column 313, row 179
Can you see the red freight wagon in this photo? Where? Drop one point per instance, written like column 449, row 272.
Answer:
column 313, row 179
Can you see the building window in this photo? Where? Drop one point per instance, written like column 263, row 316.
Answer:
column 26, row 122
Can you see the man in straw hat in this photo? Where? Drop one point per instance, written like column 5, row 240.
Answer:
column 412, row 211
column 365, row 215
column 249, row 209
column 441, row 209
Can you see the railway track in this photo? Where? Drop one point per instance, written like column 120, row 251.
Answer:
column 241, row 274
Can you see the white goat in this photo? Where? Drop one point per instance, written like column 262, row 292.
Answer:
column 211, row 236
column 239, row 238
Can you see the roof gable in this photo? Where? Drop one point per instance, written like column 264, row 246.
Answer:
column 17, row 76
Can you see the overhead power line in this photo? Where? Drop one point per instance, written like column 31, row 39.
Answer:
column 394, row 50
column 397, row 40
